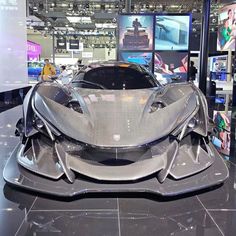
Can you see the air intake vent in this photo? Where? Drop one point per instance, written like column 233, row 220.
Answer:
column 74, row 105
column 156, row 106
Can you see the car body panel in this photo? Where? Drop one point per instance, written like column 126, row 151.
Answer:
column 16, row 175
column 117, row 118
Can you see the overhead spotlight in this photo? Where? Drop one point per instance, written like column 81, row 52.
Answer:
column 103, row 7
column 70, row 6
column 75, row 7
column 194, row 29
column 151, row 7
column 214, row 20
column 35, row 8
column 41, row 6
column 163, row 7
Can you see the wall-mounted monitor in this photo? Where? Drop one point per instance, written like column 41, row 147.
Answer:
column 172, row 32
column 135, row 32
column 61, row 43
column 33, row 51
column 141, row 58
column 73, row 44
column 226, row 28
column 170, row 66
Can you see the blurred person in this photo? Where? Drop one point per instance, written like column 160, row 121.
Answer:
column 79, row 64
column 226, row 31
column 64, row 76
column 230, row 19
column 48, row 71
column 192, row 71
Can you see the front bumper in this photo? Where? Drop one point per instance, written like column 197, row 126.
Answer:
column 17, row 175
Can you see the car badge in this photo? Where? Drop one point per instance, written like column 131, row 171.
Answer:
column 116, row 137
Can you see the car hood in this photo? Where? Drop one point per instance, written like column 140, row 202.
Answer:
column 119, row 118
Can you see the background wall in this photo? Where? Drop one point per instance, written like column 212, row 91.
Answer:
column 13, row 45
column 100, row 54
column 46, row 44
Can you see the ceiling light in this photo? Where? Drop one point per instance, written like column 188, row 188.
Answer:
column 64, row 5
column 79, row 19
column 105, row 26
column 71, row 29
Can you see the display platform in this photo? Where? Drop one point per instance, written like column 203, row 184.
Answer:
column 16, row 175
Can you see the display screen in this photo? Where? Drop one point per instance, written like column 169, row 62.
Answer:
column 61, row 43
column 33, row 50
column 221, row 136
column 171, row 66
column 172, row 32
column 135, row 32
column 141, row 58
column 73, row 44
column 226, row 28
column 218, row 68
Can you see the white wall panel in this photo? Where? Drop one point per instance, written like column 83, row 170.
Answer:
column 13, row 44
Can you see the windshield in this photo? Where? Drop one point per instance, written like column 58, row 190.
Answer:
column 116, row 77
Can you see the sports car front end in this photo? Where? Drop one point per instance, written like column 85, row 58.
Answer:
column 76, row 140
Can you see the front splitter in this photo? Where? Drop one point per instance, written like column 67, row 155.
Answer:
column 17, row 175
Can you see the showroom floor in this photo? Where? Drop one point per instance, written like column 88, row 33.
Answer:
column 209, row 213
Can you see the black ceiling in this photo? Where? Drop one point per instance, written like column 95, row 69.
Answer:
column 52, row 14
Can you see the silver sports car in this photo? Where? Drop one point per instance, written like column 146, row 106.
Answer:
column 114, row 128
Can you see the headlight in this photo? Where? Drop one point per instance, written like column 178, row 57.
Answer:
column 156, row 106
column 75, row 106
column 38, row 122
column 193, row 123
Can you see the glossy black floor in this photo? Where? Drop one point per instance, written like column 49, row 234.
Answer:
column 210, row 213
